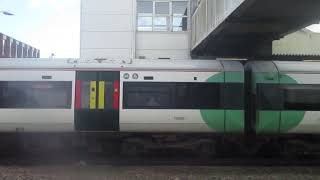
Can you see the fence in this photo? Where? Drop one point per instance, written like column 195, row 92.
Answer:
column 207, row 15
column 12, row 48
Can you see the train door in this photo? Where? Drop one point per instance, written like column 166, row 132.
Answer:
column 97, row 101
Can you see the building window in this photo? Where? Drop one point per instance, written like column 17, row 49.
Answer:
column 161, row 23
column 162, row 15
column 162, row 8
column 145, row 23
column 145, row 11
column 145, row 7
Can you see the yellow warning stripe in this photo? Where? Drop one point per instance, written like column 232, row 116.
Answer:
column 101, row 94
column 93, row 94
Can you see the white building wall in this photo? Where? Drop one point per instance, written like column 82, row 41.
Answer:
column 155, row 45
column 108, row 30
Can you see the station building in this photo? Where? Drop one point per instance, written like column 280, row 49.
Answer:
column 135, row 29
column 181, row 29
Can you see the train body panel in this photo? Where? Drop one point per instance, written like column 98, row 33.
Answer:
column 301, row 79
column 140, row 120
column 310, row 122
column 21, row 120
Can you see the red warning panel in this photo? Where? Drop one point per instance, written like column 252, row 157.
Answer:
column 116, row 94
column 78, row 94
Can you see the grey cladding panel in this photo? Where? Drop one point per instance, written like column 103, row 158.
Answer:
column 300, row 67
column 262, row 66
column 232, row 66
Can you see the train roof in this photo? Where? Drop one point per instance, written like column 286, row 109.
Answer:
column 301, row 66
column 286, row 66
column 137, row 64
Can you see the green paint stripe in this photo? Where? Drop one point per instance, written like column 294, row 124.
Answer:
column 268, row 121
column 290, row 120
column 236, row 77
column 234, row 121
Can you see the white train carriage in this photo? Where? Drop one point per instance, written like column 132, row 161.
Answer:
column 66, row 95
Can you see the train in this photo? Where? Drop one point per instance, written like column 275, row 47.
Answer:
column 150, row 102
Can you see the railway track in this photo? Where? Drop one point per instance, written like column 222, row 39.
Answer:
column 173, row 158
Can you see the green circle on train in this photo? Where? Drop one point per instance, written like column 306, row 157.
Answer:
column 215, row 119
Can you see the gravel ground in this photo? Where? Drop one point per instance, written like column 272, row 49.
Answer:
column 103, row 172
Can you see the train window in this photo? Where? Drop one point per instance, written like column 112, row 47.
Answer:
column 232, row 96
column 139, row 95
column 35, row 94
column 301, row 97
column 269, row 97
column 288, row 97
column 148, row 95
column 198, row 95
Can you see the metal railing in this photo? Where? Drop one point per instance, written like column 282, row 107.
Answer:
column 207, row 15
column 12, row 48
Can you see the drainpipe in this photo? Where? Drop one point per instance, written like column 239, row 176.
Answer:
column 134, row 32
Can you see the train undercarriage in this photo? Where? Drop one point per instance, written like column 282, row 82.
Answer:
column 140, row 144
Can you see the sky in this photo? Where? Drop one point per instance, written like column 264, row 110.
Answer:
column 53, row 26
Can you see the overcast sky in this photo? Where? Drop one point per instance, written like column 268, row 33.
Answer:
column 53, row 26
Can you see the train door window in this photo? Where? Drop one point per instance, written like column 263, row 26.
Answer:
column 148, row 95
column 85, row 94
column 301, row 97
column 109, row 91
column 35, row 95
column 92, row 94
